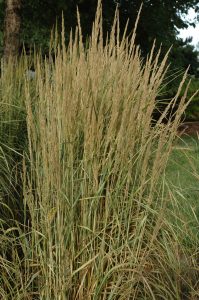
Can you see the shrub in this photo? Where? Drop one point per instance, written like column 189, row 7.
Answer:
column 192, row 111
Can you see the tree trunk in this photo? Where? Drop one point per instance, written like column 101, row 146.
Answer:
column 12, row 28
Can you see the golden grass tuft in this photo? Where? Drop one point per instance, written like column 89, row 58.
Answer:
column 94, row 193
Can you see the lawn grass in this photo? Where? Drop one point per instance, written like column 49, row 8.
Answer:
column 182, row 173
column 182, row 182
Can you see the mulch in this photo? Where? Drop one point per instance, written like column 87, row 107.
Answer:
column 189, row 128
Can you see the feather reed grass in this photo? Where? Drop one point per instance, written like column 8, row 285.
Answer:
column 93, row 189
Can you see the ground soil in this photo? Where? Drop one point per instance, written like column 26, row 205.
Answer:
column 189, row 128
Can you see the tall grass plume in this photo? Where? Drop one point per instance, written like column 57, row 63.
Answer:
column 93, row 187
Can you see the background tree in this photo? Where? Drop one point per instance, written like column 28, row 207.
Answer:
column 12, row 28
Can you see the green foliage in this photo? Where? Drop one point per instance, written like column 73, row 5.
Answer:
column 185, row 55
column 192, row 111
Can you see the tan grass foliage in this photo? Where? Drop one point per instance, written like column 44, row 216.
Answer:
column 93, row 178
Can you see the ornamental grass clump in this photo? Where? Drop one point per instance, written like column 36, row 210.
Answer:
column 94, row 194
column 13, row 137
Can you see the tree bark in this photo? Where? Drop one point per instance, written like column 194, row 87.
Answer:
column 12, row 28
